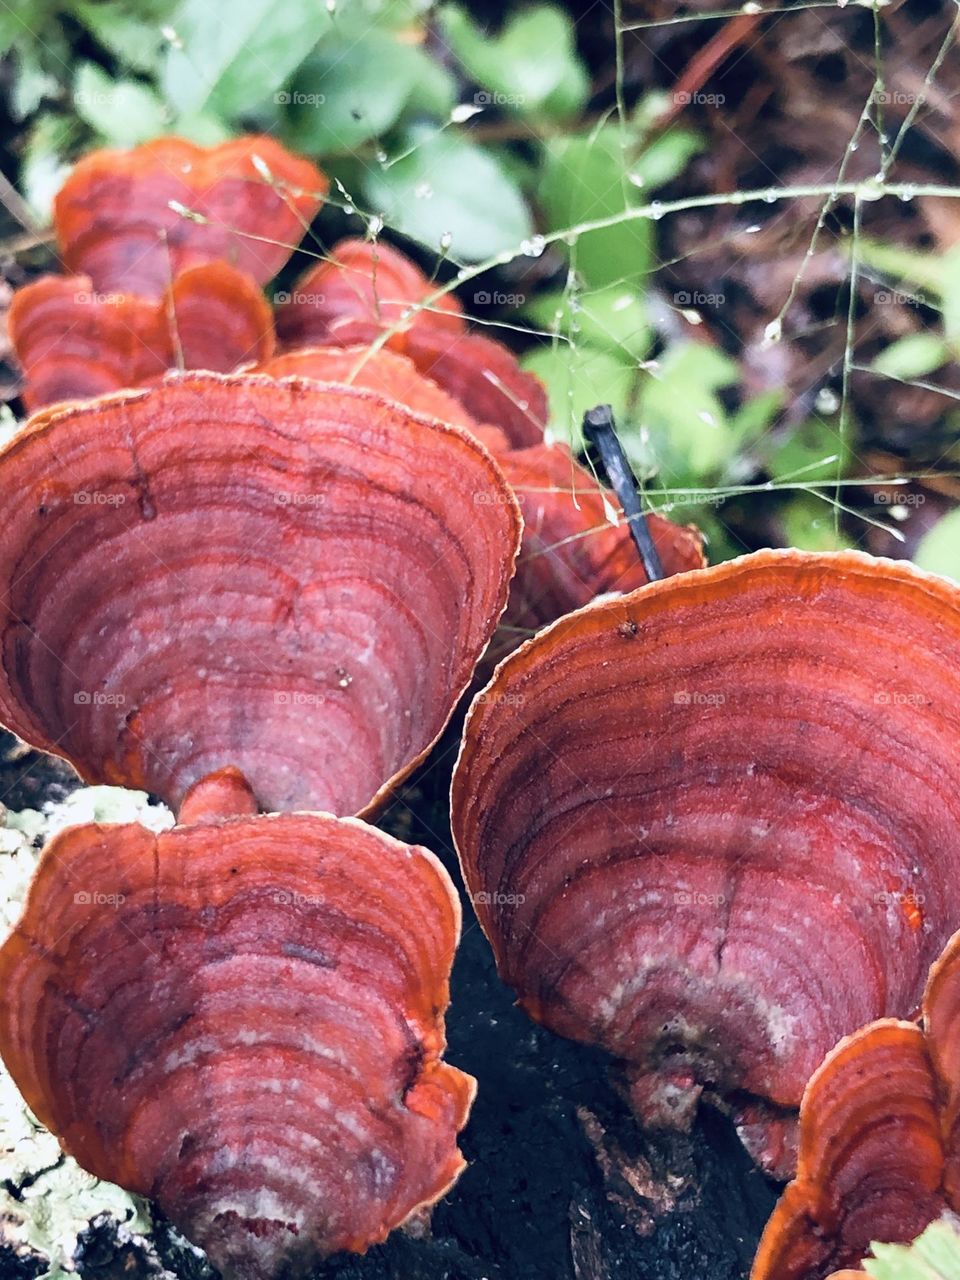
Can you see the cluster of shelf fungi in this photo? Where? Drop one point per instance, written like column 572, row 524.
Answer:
column 251, row 562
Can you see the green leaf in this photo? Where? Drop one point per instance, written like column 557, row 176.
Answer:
column 577, row 378
column 810, row 525
column 935, row 1255
column 614, row 319
column 444, row 187
column 531, row 67
column 44, row 163
column 592, row 176
column 814, row 450
column 914, row 356
column 31, row 83
column 664, row 159
column 753, row 417
column 584, row 180
column 135, row 39
column 939, row 550
column 434, row 90
column 349, row 91
column 235, row 58
column 123, row 112
column 682, row 413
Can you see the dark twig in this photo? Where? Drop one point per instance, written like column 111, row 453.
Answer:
column 599, row 429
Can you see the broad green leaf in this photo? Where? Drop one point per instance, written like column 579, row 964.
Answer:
column 597, row 175
column 682, row 413
column 44, row 163
column 939, row 550
column 935, row 1255
column 349, row 91
column 664, row 159
column 434, row 90
column 814, row 450
column 236, row 57
column 810, row 524
column 577, row 379
column 531, row 67
column 911, row 265
column 614, row 319
column 584, row 180
column 914, row 356
column 754, row 417
column 123, row 112
column 31, row 83
column 134, row 38
column 446, row 192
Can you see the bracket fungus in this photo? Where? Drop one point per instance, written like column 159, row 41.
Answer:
column 281, row 576
column 879, row 1141
column 360, row 290
column 74, row 343
column 133, row 220
column 572, row 551
column 363, row 290
column 386, row 372
column 665, row 803
column 243, row 1020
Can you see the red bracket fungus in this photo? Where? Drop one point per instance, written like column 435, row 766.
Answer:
column 386, row 372
column 120, row 219
column 283, row 577
column 243, row 1020
column 487, row 380
column 572, row 551
column 364, row 289
column 361, row 289
column 692, row 820
column 74, row 343
column 879, row 1141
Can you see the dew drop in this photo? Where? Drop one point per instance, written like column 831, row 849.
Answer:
column 423, row 191
column 533, row 247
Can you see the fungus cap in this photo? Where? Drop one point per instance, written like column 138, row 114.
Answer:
column 75, row 343
column 363, row 290
column 663, row 801
column 879, row 1141
column 572, row 551
column 120, row 219
column 243, row 1020
column 290, row 578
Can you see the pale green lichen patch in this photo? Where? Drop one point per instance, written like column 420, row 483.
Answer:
column 46, row 1199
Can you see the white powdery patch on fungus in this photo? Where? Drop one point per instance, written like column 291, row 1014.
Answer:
column 55, row 1199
